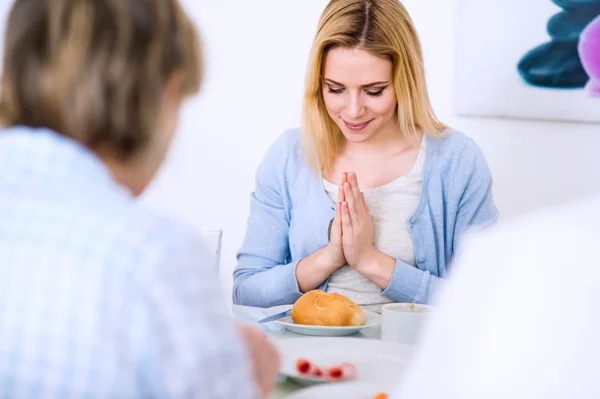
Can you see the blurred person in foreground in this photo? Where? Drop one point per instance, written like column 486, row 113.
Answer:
column 98, row 298
column 533, row 331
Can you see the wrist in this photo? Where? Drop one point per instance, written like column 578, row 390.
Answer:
column 377, row 267
column 328, row 261
column 368, row 261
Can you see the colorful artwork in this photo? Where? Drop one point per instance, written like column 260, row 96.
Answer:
column 589, row 52
column 540, row 63
column 556, row 63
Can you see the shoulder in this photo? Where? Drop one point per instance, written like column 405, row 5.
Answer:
column 159, row 231
column 531, row 237
column 457, row 154
column 142, row 238
column 285, row 155
column 287, row 145
column 453, row 144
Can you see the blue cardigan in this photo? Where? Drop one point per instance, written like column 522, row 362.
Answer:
column 290, row 214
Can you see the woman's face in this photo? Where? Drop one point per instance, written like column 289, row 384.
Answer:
column 359, row 93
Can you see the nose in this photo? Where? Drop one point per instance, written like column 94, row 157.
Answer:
column 355, row 107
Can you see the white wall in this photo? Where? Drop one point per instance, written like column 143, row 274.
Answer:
column 256, row 53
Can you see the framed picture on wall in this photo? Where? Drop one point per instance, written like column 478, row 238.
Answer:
column 533, row 59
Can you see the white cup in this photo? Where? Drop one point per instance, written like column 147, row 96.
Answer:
column 403, row 322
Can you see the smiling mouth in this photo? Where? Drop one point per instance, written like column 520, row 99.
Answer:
column 356, row 126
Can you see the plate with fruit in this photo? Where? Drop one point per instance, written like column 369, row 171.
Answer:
column 335, row 360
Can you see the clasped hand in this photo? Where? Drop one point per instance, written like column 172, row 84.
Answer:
column 352, row 229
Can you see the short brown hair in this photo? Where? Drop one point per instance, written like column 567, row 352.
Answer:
column 94, row 70
column 384, row 29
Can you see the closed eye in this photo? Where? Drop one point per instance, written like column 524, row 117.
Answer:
column 375, row 93
column 371, row 93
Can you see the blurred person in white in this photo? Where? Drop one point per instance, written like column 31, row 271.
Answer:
column 533, row 331
column 99, row 298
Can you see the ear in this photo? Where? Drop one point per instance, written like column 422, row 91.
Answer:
column 173, row 87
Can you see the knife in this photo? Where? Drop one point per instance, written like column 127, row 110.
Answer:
column 276, row 316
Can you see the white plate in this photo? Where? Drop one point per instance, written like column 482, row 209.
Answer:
column 375, row 361
column 345, row 390
column 372, row 319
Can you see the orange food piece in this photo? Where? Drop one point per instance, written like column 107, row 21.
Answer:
column 381, row 395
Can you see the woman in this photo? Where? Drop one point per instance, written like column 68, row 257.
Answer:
column 99, row 298
column 370, row 199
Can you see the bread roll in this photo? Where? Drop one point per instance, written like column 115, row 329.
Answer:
column 317, row 308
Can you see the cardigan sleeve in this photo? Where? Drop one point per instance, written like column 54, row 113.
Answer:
column 264, row 275
column 472, row 188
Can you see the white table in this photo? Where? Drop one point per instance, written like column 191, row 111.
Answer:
column 250, row 315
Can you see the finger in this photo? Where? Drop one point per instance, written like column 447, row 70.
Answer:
column 346, row 222
column 362, row 196
column 343, row 179
column 335, row 228
column 341, row 196
column 352, row 203
column 353, row 180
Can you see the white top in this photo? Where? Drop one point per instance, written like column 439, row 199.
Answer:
column 519, row 315
column 391, row 206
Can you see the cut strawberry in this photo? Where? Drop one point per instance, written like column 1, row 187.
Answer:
column 307, row 368
column 343, row 371
column 303, row 366
column 348, row 371
column 334, row 373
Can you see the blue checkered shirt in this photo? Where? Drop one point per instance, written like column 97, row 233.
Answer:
column 99, row 298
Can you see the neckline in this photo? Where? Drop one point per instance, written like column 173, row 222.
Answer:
column 419, row 162
column 429, row 154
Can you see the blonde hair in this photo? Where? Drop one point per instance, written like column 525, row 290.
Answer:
column 384, row 29
column 95, row 70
